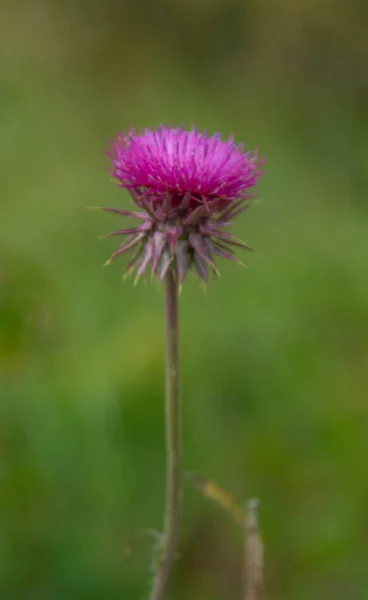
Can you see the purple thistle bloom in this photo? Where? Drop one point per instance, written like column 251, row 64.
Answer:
column 188, row 187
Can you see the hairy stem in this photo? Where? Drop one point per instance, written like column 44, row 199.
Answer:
column 172, row 514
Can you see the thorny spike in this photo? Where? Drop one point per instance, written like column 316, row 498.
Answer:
column 231, row 239
column 139, row 229
column 226, row 219
column 201, row 267
column 220, row 252
column 158, row 242
column 166, row 206
column 196, row 216
column 127, row 246
column 198, row 242
column 145, row 259
column 132, row 264
column 224, row 246
column 164, row 264
column 183, row 259
column 185, row 203
column 172, row 235
column 224, row 214
column 124, row 213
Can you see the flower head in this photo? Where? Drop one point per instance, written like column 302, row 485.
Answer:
column 188, row 186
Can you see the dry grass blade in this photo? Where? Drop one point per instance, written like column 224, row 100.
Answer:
column 253, row 545
column 212, row 490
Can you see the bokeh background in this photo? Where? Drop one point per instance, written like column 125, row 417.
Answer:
column 275, row 358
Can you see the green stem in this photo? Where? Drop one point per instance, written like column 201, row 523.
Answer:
column 172, row 515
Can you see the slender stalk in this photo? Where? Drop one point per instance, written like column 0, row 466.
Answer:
column 253, row 548
column 172, row 514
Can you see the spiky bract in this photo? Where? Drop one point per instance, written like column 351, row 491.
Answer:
column 188, row 186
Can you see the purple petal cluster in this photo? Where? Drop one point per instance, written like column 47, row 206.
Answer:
column 188, row 186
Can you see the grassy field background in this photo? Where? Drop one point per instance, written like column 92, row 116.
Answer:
column 274, row 357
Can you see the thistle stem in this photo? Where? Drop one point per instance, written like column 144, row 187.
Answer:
column 172, row 514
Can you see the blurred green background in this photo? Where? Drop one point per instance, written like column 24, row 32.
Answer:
column 275, row 358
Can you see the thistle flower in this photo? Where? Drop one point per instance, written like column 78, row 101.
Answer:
column 188, row 187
